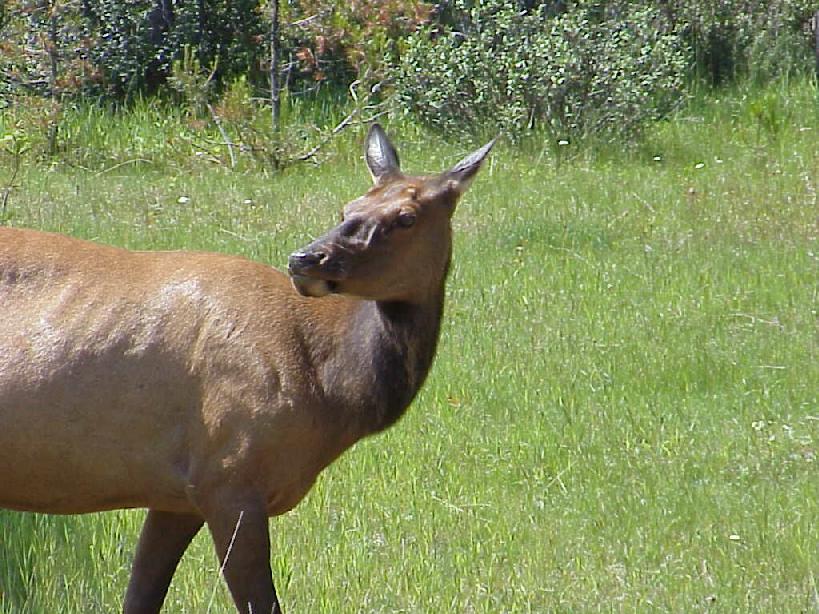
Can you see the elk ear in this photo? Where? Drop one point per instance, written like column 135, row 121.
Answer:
column 461, row 175
column 382, row 159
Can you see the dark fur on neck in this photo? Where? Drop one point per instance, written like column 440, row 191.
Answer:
column 383, row 361
column 401, row 359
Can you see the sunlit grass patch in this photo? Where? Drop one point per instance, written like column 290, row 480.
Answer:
column 623, row 414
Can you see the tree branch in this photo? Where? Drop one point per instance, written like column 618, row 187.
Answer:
column 218, row 121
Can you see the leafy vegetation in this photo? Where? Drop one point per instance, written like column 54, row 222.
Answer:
column 340, row 40
column 120, row 49
column 746, row 39
column 623, row 412
column 558, row 68
column 573, row 74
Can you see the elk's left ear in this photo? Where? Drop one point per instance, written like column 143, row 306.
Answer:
column 382, row 159
column 462, row 174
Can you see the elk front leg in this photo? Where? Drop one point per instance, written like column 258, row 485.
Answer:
column 240, row 534
column 164, row 538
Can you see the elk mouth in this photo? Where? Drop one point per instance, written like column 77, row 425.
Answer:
column 312, row 286
column 314, row 274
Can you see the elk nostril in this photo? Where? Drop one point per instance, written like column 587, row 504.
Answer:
column 306, row 259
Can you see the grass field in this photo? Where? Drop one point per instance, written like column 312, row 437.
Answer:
column 624, row 411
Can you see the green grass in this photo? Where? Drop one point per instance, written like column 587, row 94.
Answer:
column 624, row 411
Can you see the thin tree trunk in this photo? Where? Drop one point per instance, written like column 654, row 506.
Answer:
column 816, row 39
column 275, row 84
column 53, row 43
column 200, row 5
column 160, row 20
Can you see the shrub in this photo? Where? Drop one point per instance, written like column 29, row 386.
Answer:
column 335, row 41
column 759, row 39
column 569, row 73
column 118, row 48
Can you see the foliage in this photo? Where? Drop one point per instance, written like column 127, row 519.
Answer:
column 123, row 48
column 228, row 34
column 570, row 74
column 760, row 39
column 34, row 36
column 567, row 67
column 339, row 39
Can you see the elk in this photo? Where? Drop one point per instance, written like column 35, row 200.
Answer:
column 211, row 389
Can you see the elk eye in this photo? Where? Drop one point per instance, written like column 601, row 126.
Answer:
column 406, row 219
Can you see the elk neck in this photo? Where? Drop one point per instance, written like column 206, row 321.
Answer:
column 380, row 358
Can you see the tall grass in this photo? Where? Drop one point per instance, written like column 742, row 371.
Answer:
column 624, row 411
column 171, row 134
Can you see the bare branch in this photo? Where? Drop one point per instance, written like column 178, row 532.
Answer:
column 9, row 187
column 347, row 121
column 343, row 124
column 218, row 121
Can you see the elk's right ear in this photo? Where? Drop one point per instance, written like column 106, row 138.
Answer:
column 382, row 159
column 462, row 174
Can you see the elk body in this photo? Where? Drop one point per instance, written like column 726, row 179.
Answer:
column 210, row 389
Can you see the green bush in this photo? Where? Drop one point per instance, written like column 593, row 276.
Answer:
column 569, row 73
column 120, row 48
column 756, row 39
column 568, row 67
column 335, row 41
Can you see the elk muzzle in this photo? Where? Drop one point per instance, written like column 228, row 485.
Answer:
column 317, row 269
column 305, row 268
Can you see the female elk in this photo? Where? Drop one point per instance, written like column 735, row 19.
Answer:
column 202, row 386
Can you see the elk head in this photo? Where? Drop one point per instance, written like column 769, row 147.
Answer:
column 393, row 243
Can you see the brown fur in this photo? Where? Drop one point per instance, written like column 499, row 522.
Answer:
column 202, row 386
